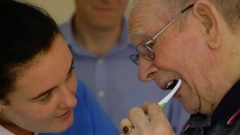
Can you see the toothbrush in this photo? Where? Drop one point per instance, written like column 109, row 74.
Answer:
column 165, row 100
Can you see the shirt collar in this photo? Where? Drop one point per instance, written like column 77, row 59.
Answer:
column 231, row 103
column 4, row 131
column 197, row 120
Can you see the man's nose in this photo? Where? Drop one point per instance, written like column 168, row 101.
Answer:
column 146, row 70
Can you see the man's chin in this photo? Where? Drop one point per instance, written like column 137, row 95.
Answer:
column 189, row 109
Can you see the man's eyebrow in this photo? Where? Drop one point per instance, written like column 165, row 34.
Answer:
column 49, row 90
column 139, row 35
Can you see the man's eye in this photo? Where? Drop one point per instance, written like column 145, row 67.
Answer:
column 150, row 45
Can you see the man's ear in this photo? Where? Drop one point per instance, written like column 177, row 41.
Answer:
column 210, row 21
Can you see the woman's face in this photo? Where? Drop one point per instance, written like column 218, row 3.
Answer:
column 44, row 97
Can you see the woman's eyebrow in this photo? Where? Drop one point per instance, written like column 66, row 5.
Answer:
column 43, row 93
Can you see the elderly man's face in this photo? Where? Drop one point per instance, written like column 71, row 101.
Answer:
column 180, row 53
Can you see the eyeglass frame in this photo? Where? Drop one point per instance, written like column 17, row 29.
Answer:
column 144, row 48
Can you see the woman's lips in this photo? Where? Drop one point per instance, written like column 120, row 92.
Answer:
column 65, row 115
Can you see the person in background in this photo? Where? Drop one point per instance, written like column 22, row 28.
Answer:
column 198, row 42
column 97, row 35
column 39, row 92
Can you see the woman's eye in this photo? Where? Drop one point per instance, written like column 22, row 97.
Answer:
column 46, row 97
column 70, row 73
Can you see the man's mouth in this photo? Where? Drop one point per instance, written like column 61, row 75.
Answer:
column 176, row 85
column 171, row 84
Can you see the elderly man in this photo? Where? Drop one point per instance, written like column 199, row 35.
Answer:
column 197, row 42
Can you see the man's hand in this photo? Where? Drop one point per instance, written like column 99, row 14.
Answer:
column 148, row 120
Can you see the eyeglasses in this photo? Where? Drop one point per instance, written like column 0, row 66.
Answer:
column 145, row 49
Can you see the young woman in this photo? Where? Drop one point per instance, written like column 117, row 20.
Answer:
column 38, row 90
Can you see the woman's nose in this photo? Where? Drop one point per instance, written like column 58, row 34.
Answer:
column 146, row 70
column 68, row 99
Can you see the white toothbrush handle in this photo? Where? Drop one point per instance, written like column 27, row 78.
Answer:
column 163, row 102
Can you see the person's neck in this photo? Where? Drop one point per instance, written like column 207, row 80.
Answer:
column 98, row 41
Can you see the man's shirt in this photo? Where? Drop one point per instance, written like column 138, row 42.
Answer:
column 225, row 120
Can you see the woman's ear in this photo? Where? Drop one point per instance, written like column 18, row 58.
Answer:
column 210, row 21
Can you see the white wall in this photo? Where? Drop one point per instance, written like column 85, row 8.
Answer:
column 60, row 10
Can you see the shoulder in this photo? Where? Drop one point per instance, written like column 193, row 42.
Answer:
column 82, row 88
